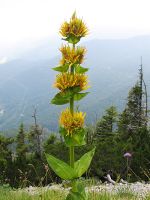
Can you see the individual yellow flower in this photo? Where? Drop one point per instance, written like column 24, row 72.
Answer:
column 72, row 55
column 71, row 122
column 66, row 80
column 76, row 27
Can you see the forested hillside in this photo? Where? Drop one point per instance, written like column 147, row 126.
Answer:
column 26, row 82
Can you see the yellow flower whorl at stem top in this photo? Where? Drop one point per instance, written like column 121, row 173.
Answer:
column 72, row 55
column 66, row 80
column 75, row 27
column 71, row 122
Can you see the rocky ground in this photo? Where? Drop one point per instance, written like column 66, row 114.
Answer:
column 138, row 188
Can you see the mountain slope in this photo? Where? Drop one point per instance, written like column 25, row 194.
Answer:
column 27, row 83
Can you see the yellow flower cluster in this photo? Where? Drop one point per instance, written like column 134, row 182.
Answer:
column 66, row 80
column 72, row 55
column 75, row 27
column 71, row 122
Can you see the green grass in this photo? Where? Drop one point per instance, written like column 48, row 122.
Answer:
column 147, row 197
column 21, row 195
column 125, row 193
column 7, row 193
column 53, row 195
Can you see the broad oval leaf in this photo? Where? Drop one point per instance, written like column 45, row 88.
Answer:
column 62, row 169
column 62, row 98
column 63, row 68
column 83, row 163
column 80, row 69
column 77, row 139
column 77, row 192
column 72, row 39
column 79, row 96
column 75, row 89
column 59, row 101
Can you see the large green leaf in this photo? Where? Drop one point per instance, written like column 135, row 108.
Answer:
column 83, row 163
column 63, row 68
column 77, row 192
column 79, row 96
column 77, row 138
column 75, row 89
column 72, row 39
column 80, row 69
column 62, row 169
column 62, row 98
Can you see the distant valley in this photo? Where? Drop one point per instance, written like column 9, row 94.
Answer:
column 26, row 82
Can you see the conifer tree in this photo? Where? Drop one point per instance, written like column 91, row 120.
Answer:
column 21, row 148
column 35, row 136
column 133, row 131
column 132, row 116
column 5, row 157
column 106, row 125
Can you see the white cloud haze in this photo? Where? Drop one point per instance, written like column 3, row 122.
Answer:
column 28, row 20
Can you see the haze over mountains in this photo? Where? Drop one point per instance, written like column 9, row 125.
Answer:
column 26, row 82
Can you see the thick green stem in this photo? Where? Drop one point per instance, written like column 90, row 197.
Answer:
column 72, row 147
column 72, row 156
column 72, row 112
column 72, row 105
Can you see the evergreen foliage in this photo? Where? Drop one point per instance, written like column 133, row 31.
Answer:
column 35, row 137
column 21, row 147
column 107, row 124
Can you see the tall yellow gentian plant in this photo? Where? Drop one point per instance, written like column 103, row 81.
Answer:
column 70, row 82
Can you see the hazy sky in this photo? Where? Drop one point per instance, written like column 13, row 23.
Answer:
column 28, row 20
